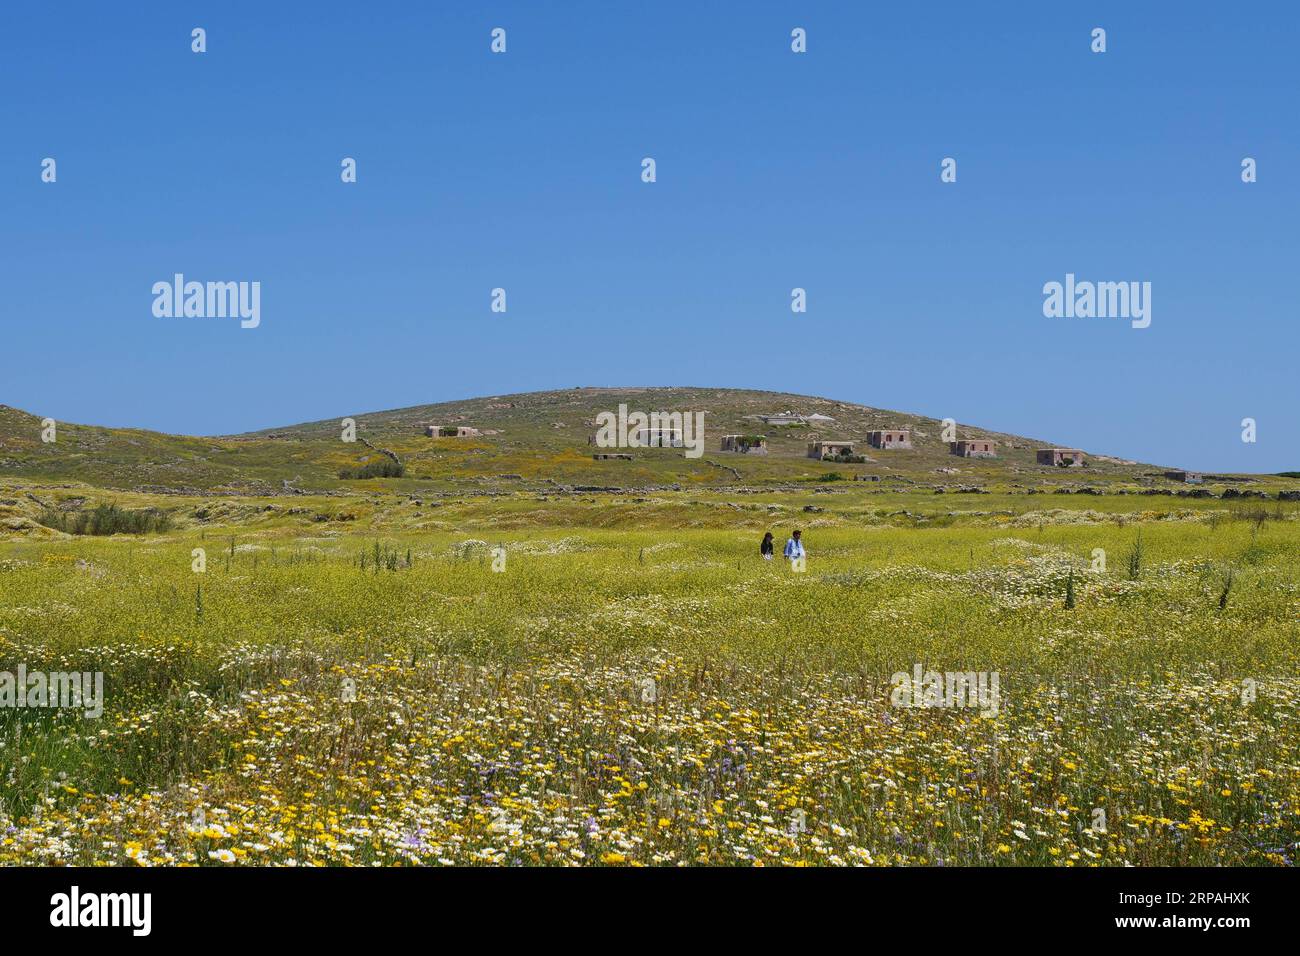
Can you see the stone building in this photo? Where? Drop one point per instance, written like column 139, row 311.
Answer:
column 887, row 438
column 829, row 449
column 745, row 444
column 659, row 438
column 1061, row 457
column 973, row 448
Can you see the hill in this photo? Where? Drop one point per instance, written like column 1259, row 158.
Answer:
column 532, row 440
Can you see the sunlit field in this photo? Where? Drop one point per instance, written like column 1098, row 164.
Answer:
column 660, row 695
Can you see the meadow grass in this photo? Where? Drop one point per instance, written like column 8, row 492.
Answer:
column 638, row 687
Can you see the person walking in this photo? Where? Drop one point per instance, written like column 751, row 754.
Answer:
column 766, row 548
column 794, row 547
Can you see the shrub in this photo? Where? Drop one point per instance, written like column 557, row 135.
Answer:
column 107, row 519
column 382, row 467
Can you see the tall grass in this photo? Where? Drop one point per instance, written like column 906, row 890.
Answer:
column 1135, row 559
column 105, row 519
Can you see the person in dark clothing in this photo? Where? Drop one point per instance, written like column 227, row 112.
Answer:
column 765, row 549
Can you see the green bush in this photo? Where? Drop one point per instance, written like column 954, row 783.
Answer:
column 107, row 519
column 382, row 467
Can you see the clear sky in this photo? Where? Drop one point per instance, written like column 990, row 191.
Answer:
column 775, row 170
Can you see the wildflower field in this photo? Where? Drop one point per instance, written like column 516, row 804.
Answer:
column 559, row 683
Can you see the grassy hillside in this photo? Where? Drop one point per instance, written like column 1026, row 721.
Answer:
column 529, row 440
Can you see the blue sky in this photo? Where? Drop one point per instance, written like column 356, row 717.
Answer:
column 775, row 170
